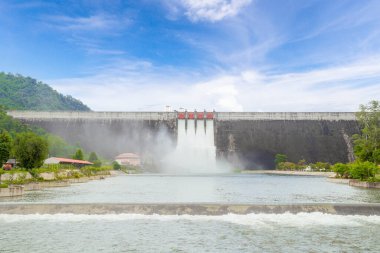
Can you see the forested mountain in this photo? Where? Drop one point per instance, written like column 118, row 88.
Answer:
column 24, row 93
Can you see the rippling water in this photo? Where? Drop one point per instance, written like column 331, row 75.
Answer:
column 303, row 232
column 232, row 188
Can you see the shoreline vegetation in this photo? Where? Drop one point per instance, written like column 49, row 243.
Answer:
column 358, row 170
column 15, row 182
column 50, row 172
column 330, row 175
column 291, row 172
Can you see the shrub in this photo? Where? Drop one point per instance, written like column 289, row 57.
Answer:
column 75, row 174
column 342, row 170
column 91, row 170
column 362, row 170
column 287, row 166
column 322, row 166
column 116, row 165
column 97, row 163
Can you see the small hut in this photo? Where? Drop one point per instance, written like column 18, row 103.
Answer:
column 128, row 159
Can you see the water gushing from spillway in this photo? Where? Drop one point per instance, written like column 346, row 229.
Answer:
column 195, row 151
column 197, row 143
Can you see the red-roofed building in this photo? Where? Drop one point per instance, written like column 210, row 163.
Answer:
column 128, row 159
column 60, row 160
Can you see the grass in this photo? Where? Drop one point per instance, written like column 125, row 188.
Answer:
column 130, row 169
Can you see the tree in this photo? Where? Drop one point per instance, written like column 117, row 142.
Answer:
column 78, row 155
column 367, row 144
column 58, row 147
column 5, row 146
column 280, row 158
column 116, row 165
column 25, row 93
column 93, row 157
column 30, row 150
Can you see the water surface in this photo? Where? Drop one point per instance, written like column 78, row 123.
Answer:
column 303, row 232
column 230, row 188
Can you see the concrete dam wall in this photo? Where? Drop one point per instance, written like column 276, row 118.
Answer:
column 249, row 140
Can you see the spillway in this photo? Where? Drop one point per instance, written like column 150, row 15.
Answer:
column 195, row 146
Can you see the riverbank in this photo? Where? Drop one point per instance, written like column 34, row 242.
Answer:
column 293, row 173
column 47, row 180
column 355, row 183
column 331, row 177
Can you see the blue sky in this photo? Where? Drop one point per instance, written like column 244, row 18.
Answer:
column 227, row 55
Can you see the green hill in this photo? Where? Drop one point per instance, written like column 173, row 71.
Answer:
column 24, row 93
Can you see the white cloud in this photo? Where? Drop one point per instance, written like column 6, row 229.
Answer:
column 99, row 22
column 144, row 87
column 87, row 31
column 212, row 10
column 221, row 92
column 338, row 88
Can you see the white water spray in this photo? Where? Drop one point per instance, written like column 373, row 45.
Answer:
column 195, row 151
column 255, row 220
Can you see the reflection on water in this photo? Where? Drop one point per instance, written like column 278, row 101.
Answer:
column 231, row 188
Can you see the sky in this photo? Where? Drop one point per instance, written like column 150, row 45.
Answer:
column 223, row 55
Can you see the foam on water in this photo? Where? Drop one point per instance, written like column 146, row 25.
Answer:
column 195, row 151
column 255, row 220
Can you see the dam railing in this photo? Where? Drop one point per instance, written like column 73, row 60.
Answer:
column 74, row 115
column 221, row 116
column 329, row 116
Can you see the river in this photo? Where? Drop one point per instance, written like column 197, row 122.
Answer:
column 302, row 232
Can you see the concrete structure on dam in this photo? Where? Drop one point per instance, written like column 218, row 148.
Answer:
column 248, row 139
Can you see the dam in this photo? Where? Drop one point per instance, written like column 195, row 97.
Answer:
column 249, row 140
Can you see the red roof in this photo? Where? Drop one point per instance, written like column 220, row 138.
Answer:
column 127, row 155
column 67, row 160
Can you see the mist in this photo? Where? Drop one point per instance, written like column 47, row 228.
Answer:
column 195, row 150
column 164, row 146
